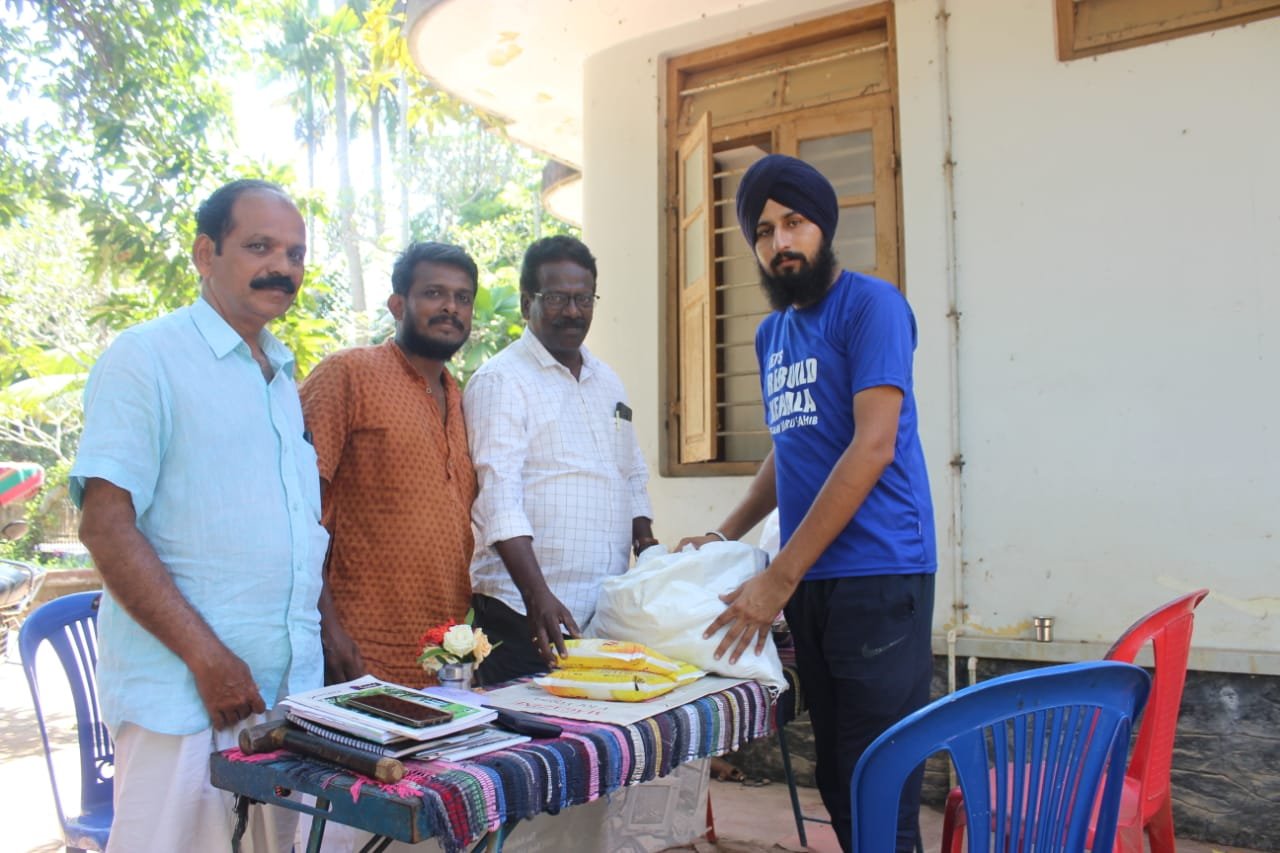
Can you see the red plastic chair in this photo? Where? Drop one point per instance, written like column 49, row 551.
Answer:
column 1145, row 803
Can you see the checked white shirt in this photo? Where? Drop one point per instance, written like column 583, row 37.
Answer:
column 557, row 461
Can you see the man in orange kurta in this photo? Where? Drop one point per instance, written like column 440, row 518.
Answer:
column 396, row 477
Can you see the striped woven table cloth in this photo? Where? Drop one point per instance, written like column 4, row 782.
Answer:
column 459, row 803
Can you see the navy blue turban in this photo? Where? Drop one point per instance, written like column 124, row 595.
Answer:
column 792, row 183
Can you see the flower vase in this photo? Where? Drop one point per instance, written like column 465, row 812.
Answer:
column 455, row 675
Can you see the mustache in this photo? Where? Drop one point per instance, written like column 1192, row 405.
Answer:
column 448, row 318
column 277, row 281
column 569, row 323
column 782, row 257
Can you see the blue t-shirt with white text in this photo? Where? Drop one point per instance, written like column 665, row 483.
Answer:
column 813, row 361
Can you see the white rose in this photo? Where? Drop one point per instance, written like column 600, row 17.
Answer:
column 459, row 641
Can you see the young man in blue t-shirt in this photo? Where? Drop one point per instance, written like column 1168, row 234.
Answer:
column 855, row 573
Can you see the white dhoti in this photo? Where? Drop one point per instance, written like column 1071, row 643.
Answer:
column 164, row 802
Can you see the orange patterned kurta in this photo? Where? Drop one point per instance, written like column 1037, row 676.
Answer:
column 398, row 502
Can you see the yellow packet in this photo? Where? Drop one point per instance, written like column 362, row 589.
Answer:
column 686, row 673
column 619, row 654
column 611, row 684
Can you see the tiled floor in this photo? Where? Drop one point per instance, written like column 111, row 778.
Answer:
column 759, row 820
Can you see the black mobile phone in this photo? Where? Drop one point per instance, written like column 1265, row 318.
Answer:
column 527, row 724
column 398, row 709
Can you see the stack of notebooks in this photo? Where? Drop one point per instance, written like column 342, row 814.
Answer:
column 398, row 722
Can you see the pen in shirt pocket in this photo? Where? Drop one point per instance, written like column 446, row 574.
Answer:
column 621, row 412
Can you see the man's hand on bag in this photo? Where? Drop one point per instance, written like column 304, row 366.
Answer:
column 697, row 541
column 641, row 534
column 546, row 615
column 749, row 616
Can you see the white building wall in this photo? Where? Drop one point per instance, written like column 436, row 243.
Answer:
column 1118, row 256
column 1117, row 270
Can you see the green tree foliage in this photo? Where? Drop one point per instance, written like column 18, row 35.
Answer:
column 124, row 119
column 47, row 340
column 494, row 222
column 131, row 127
column 460, row 180
column 495, row 322
column 345, row 68
column 118, row 122
column 480, row 192
column 47, row 345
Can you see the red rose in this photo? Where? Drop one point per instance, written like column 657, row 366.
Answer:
column 435, row 636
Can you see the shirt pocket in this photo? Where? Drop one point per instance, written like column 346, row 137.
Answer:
column 624, row 445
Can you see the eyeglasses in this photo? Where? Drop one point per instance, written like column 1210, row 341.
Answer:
column 557, row 301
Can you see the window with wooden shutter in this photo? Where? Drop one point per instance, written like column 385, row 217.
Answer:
column 822, row 91
column 697, row 297
column 1090, row 27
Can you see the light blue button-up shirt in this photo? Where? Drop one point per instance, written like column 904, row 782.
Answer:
column 225, row 487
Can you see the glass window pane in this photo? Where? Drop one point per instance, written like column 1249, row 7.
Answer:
column 695, row 178
column 695, row 250
column 855, row 243
column 845, row 159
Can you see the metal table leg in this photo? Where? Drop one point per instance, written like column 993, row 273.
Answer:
column 317, row 826
column 242, row 821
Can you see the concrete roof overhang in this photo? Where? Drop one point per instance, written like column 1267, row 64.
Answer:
column 522, row 60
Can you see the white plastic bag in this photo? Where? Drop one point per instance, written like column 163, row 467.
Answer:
column 668, row 600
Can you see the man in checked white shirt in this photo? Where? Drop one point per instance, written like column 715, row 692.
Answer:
column 562, row 499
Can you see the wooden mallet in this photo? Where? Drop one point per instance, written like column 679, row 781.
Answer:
column 267, row 737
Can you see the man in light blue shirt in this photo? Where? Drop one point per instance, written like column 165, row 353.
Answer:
column 201, row 509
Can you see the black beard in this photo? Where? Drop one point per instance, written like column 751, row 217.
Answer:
column 411, row 341
column 804, row 286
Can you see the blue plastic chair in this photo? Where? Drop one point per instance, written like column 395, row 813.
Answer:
column 70, row 626
column 1032, row 751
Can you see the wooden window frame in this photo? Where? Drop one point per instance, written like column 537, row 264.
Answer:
column 1230, row 13
column 728, row 54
